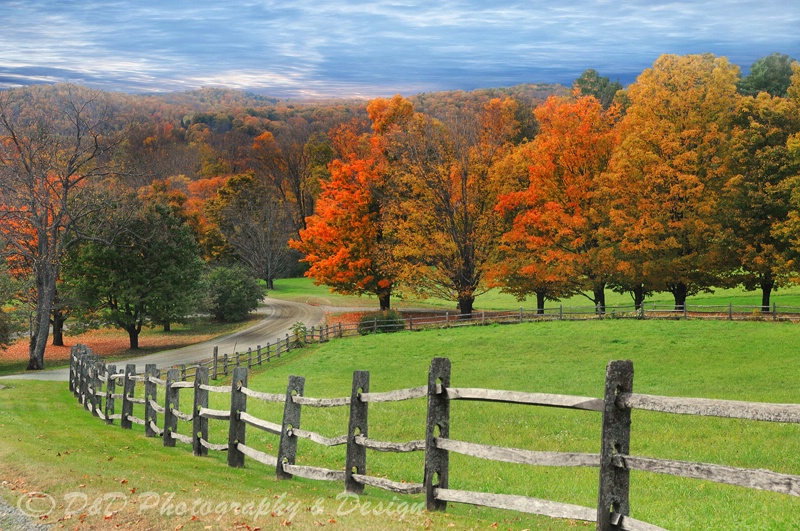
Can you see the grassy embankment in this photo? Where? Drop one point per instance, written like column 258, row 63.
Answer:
column 48, row 443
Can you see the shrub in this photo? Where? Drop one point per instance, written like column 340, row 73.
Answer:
column 232, row 293
column 385, row 321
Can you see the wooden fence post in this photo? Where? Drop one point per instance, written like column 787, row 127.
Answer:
column 612, row 504
column 200, row 424
column 730, row 311
column 128, row 388
column 225, row 364
column 437, row 425
column 356, row 460
column 85, row 362
column 150, row 394
column 216, row 361
column 94, row 379
column 287, row 451
column 171, row 401
column 258, row 351
column 111, row 388
column 268, row 354
column 72, row 352
column 236, row 433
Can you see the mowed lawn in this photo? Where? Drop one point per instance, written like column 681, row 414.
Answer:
column 48, row 443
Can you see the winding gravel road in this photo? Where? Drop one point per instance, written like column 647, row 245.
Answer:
column 279, row 316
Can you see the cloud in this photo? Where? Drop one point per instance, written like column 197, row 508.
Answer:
column 350, row 47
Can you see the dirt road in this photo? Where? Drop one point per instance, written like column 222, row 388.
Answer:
column 279, row 316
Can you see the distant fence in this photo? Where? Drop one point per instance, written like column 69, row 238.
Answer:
column 96, row 386
column 221, row 364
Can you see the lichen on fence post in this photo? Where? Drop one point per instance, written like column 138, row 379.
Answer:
column 356, row 459
column 437, row 425
column 129, row 387
column 200, row 424
column 150, row 394
column 287, row 451
column 171, row 401
column 613, row 503
column 236, row 433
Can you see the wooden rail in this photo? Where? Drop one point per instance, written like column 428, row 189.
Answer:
column 95, row 386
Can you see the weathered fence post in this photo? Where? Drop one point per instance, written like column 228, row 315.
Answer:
column 612, row 504
column 437, row 425
column 684, row 310
column 268, row 353
column 72, row 365
column 258, row 354
column 774, row 311
column 560, row 312
column 356, row 460
column 236, row 433
column 225, row 364
column 200, row 424
column 171, row 402
column 411, row 322
column 150, row 396
column 730, row 311
column 96, row 367
column 85, row 370
column 287, row 451
column 216, row 360
column 111, row 388
column 520, row 314
column 128, row 388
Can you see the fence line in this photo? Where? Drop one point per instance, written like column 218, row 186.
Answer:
column 94, row 384
column 223, row 365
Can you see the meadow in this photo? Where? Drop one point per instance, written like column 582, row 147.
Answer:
column 49, row 443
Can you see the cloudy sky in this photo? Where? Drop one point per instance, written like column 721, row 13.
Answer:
column 348, row 48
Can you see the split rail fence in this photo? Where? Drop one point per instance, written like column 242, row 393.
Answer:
column 110, row 395
column 221, row 364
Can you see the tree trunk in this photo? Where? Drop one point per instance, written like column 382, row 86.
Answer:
column 767, row 284
column 58, row 328
column 638, row 296
column 271, row 283
column 133, row 336
column 679, row 292
column 540, row 298
column 40, row 323
column 465, row 304
column 384, row 298
column 599, row 292
column 167, row 326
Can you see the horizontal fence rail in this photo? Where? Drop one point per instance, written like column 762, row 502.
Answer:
column 103, row 390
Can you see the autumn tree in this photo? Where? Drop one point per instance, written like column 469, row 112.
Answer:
column 53, row 142
column 666, row 177
column 289, row 159
column 343, row 242
column 443, row 226
column 255, row 225
column 756, row 199
column 554, row 245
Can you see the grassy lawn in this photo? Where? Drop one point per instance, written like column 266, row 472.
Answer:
column 49, row 444
column 304, row 290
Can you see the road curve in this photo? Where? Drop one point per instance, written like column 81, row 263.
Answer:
column 279, row 316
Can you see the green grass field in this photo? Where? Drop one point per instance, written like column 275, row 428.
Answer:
column 49, row 443
column 304, row 290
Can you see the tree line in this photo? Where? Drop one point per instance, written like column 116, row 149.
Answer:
column 141, row 210
column 684, row 181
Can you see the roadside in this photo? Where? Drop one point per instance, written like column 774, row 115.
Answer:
column 279, row 316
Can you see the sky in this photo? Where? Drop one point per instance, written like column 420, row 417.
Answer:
column 350, row 48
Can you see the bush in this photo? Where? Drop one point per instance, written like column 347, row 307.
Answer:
column 232, row 293
column 385, row 321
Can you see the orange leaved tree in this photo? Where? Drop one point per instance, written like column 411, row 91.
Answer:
column 343, row 241
column 555, row 245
